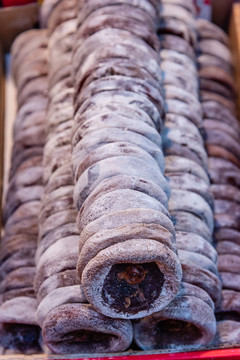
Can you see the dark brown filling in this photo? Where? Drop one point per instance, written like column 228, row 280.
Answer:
column 21, row 337
column 176, row 332
column 228, row 315
column 130, row 288
column 86, row 337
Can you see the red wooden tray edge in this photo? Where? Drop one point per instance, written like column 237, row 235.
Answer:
column 218, row 354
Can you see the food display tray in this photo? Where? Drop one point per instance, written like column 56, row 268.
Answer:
column 206, row 354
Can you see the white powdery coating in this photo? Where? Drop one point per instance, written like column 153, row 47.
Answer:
column 106, row 238
column 178, row 58
column 189, row 201
column 58, row 257
column 46, row 10
column 20, row 310
column 135, row 252
column 185, row 308
column 127, row 165
column 228, row 333
column 195, row 243
column 118, row 200
column 198, row 260
column 126, row 217
column 177, row 163
column 214, row 47
column 230, row 301
column 57, row 297
column 61, row 324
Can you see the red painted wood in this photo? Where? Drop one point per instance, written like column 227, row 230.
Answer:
column 221, row 354
column 6, row 3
